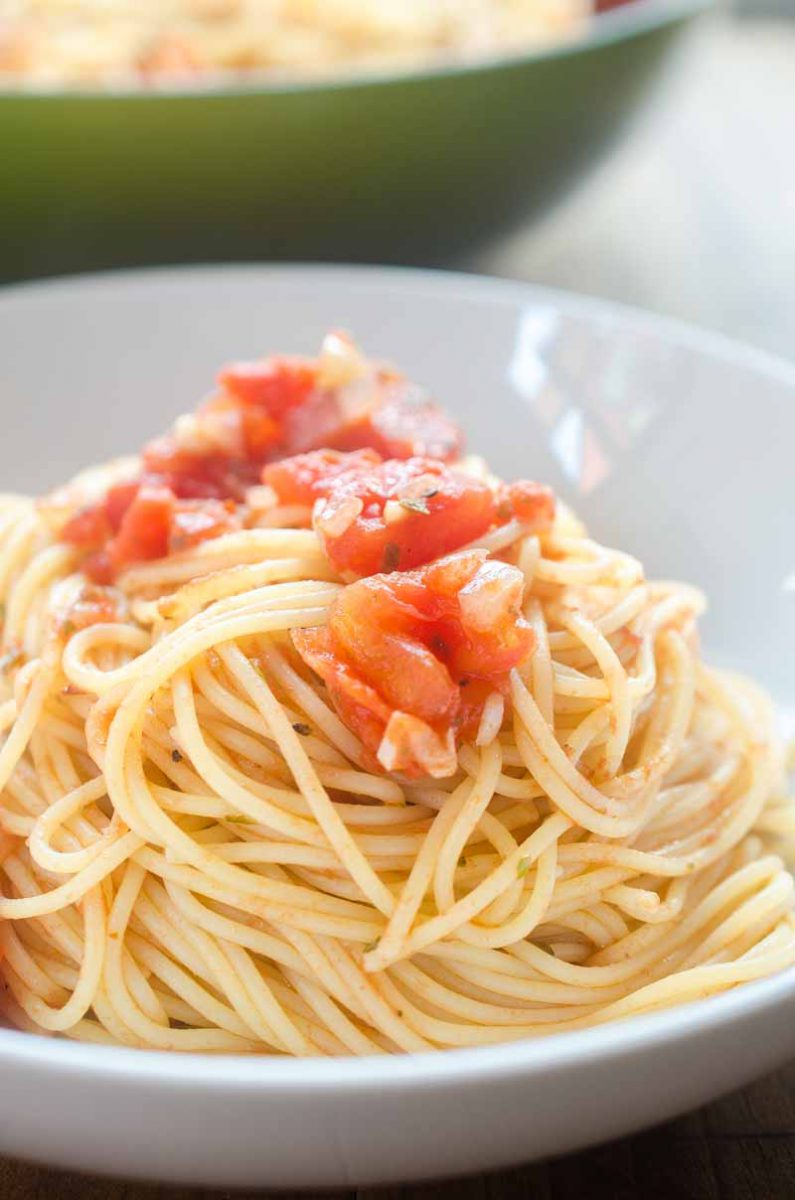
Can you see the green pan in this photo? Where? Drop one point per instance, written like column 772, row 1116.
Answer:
column 391, row 167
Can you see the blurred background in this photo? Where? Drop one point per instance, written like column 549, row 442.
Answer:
column 647, row 159
column 693, row 214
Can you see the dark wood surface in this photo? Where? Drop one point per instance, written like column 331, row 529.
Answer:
column 740, row 1148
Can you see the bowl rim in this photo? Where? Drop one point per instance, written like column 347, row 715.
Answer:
column 430, row 280
column 632, row 18
column 262, row 1074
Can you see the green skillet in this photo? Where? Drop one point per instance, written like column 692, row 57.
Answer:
column 407, row 167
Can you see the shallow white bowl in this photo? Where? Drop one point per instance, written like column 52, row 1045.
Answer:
column 671, row 443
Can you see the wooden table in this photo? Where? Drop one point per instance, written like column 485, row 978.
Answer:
column 694, row 215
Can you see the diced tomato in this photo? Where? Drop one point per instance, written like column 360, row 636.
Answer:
column 99, row 568
column 261, row 434
column 145, row 527
column 412, row 512
column 385, row 516
column 194, row 521
column 118, row 500
column 192, row 476
column 88, row 527
column 388, row 415
column 395, row 515
column 165, row 458
column 304, row 478
column 278, row 407
column 321, row 437
column 360, row 705
column 430, row 644
column 405, row 424
column 275, row 385
column 531, row 503
column 142, row 520
column 94, row 605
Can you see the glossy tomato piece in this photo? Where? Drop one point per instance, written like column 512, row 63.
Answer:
column 385, row 516
column 380, row 627
column 412, row 512
column 531, row 503
column 410, row 658
column 275, row 384
column 99, row 568
column 357, row 702
column 384, row 413
column 88, row 527
column 118, row 500
column 194, row 521
column 145, row 527
column 408, row 423
column 304, row 478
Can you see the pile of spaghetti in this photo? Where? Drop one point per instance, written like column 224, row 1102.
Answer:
column 96, row 42
column 316, row 738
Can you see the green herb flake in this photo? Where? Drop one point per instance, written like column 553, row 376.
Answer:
column 391, row 556
column 415, row 504
column 176, row 756
column 523, row 867
column 302, row 728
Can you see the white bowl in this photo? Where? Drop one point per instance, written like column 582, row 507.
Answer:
column 671, row 443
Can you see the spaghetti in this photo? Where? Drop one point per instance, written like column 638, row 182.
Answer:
column 145, row 42
column 268, row 788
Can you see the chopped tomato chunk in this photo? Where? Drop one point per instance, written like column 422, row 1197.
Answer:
column 280, row 407
column 99, row 567
column 400, row 652
column 532, row 503
column 88, row 527
column 194, row 475
column 193, row 521
column 118, row 500
column 352, row 440
column 260, row 433
column 406, row 423
column 393, row 417
column 94, row 605
column 378, row 516
column 141, row 521
column 145, row 527
column 305, row 478
column 275, row 385
column 263, row 412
